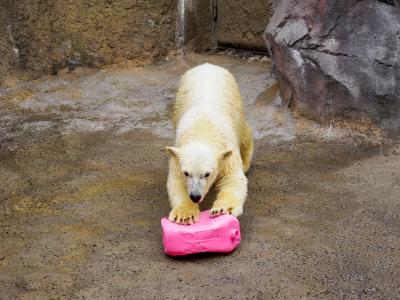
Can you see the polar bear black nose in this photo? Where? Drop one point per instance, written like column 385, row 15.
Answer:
column 195, row 198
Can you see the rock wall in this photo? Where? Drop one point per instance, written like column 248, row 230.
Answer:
column 42, row 37
column 338, row 60
column 51, row 35
column 241, row 23
column 8, row 51
column 199, row 25
column 209, row 24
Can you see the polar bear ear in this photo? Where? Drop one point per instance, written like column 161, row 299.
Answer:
column 173, row 151
column 225, row 154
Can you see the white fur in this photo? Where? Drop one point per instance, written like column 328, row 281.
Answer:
column 206, row 101
column 212, row 137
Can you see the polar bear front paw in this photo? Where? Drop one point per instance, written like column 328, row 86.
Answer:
column 185, row 214
column 226, row 207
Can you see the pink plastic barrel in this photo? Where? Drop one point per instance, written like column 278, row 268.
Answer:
column 217, row 234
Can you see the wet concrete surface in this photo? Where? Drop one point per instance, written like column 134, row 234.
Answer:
column 82, row 191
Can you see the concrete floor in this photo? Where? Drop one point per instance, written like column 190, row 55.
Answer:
column 82, row 191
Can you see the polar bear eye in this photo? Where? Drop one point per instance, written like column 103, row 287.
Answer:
column 206, row 175
column 186, row 174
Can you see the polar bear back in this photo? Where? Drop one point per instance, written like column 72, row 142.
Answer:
column 210, row 91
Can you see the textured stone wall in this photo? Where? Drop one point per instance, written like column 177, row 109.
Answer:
column 44, row 36
column 209, row 24
column 241, row 23
column 339, row 60
column 8, row 51
column 51, row 35
column 199, row 25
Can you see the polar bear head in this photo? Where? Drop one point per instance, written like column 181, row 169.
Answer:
column 199, row 165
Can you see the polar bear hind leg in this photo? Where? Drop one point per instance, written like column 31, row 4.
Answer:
column 246, row 147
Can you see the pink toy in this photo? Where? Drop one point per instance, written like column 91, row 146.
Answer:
column 218, row 234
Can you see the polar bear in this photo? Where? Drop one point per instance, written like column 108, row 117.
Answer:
column 213, row 144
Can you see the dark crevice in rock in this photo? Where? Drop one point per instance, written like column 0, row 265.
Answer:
column 283, row 22
column 308, row 47
column 336, row 24
column 385, row 64
column 290, row 100
column 289, row 15
column 315, row 47
column 390, row 2
column 299, row 40
column 326, row 51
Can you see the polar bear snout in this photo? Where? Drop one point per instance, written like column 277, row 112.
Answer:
column 195, row 197
column 196, row 187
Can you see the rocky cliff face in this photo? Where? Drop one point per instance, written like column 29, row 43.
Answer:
column 50, row 35
column 338, row 60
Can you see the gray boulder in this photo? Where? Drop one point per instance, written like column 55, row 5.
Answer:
column 338, row 60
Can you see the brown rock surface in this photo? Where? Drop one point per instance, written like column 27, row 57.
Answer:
column 241, row 23
column 199, row 27
column 51, row 35
column 8, row 54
